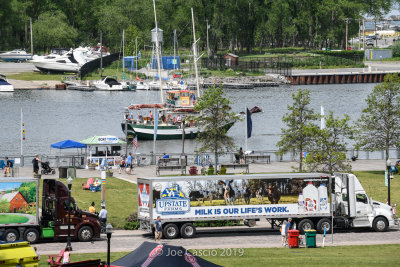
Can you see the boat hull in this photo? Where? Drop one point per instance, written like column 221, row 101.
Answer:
column 6, row 88
column 56, row 67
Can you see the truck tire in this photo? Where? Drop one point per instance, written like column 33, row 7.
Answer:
column 188, row 230
column 31, row 235
column 324, row 222
column 85, row 234
column 380, row 224
column 171, row 231
column 11, row 235
column 305, row 224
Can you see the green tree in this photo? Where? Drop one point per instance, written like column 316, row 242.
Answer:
column 379, row 124
column 4, row 206
column 215, row 119
column 28, row 191
column 327, row 152
column 53, row 30
column 298, row 134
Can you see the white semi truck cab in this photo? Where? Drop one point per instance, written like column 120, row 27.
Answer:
column 353, row 207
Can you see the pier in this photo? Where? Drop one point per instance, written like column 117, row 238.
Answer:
column 336, row 78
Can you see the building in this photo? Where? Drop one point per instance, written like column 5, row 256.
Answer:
column 16, row 199
column 231, row 60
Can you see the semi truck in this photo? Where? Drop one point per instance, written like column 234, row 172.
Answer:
column 313, row 201
column 21, row 218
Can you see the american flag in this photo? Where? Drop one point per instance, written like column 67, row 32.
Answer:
column 135, row 142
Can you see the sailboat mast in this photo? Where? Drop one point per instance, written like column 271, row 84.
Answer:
column 195, row 57
column 174, row 49
column 157, row 53
column 123, row 53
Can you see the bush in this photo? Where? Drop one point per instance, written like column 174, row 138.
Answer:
column 396, row 49
column 132, row 222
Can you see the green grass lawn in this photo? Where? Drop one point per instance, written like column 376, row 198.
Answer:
column 11, row 218
column 121, row 199
column 379, row 255
column 35, row 76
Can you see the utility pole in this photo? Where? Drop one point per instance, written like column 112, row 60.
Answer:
column 208, row 45
column 359, row 36
column 347, row 30
column 363, row 36
column 101, row 54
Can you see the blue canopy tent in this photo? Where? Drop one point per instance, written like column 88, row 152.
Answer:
column 72, row 160
column 68, row 144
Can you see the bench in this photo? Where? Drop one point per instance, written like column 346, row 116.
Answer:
column 169, row 168
column 237, row 166
column 267, row 158
column 165, row 161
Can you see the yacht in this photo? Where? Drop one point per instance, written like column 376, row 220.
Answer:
column 5, row 86
column 70, row 61
column 16, row 55
column 110, row 83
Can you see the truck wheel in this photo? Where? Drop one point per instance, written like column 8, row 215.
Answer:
column 31, row 235
column 324, row 223
column 380, row 224
column 188, row 230
column 85, row 234
column 305, row 224
column 171, row 231
column 11, row 235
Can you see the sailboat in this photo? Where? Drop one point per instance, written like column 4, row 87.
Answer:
column 170, row 119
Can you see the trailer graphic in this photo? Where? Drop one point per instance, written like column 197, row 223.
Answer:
column 313, row 200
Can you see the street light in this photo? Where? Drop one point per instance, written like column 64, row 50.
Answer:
column 388, row 164
column 109, row 230
column 69, row 180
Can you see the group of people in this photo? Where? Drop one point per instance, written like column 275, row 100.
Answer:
column 102, row 214
column 286, row 226
column 126, row 164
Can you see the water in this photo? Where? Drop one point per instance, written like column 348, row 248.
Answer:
column 51, row 116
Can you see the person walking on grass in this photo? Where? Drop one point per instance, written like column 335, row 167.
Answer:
column 158, row 230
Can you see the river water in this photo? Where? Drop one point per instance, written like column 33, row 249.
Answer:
column 51, row 116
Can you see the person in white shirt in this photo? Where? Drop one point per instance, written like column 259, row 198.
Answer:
column 103, row 216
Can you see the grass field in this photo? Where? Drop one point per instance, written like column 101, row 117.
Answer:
column 11, row 218
column 121, row 199
column 379, row 255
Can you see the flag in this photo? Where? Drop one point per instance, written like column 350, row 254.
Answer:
column 249, row 123
column 135, row 142
column 323, row 122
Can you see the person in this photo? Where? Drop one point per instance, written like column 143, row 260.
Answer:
column 394, row 210
column 288, row 227
column 165, row 156
column 92, row 209
column 35, row 163
column 179, row 119
column 103, row 217
column 151, row 116
column 37, row 253
column 158, row 230
column 283, row 233
column 8, row 167
column 66, row 255
column 241, row 155
column 122, row 164
column 128, row 166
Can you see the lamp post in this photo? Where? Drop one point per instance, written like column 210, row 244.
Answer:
column 109, row 230
column 69, row 180
column 388, row 164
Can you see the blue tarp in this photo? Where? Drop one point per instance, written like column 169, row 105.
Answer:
column 68, row 144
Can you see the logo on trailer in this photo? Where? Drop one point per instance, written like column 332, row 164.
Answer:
column 144, row 196
column 173, row 201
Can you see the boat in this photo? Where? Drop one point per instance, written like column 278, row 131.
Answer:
column 67, row 62
column 17, row 55
column 5, row 86
column 110, row 83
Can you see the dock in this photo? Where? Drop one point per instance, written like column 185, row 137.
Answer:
column 336, row 78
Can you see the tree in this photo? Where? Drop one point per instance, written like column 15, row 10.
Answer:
column 297, row 135
column 379, row 124
column 215, row 119
column 53, row 30
column 327, row 153
column 4, row 206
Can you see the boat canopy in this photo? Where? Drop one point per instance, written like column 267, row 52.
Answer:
column 141, row 106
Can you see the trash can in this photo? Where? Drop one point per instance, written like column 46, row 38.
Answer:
column 71, row 172
column 311, row 238
column 293, row 238
column 62, row 172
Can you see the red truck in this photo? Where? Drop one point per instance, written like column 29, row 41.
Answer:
column 21, row 219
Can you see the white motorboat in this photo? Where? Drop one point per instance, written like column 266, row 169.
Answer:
column 71, row 61
column 16, row 55
column 5, row 86
column 110, row 84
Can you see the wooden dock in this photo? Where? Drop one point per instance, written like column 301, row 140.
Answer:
column 338, row 78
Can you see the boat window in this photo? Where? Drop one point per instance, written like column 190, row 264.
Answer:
column 61, row 61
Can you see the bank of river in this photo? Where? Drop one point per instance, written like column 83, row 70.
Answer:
column 52, row 116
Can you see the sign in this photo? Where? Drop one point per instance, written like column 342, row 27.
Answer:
column 109, row 139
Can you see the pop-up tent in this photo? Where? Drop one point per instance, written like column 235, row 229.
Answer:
column 153, row 254
column 68, row 144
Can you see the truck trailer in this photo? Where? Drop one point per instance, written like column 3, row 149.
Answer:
column 313, row 201
column 21, row 218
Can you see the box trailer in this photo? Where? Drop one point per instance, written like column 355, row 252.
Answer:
column 21, row 218
column 312, row 200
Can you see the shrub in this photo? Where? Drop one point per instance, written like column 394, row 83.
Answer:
column 396, row 49
column 132, row 223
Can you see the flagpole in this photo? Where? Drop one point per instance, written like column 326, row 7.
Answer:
column 245, row 112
